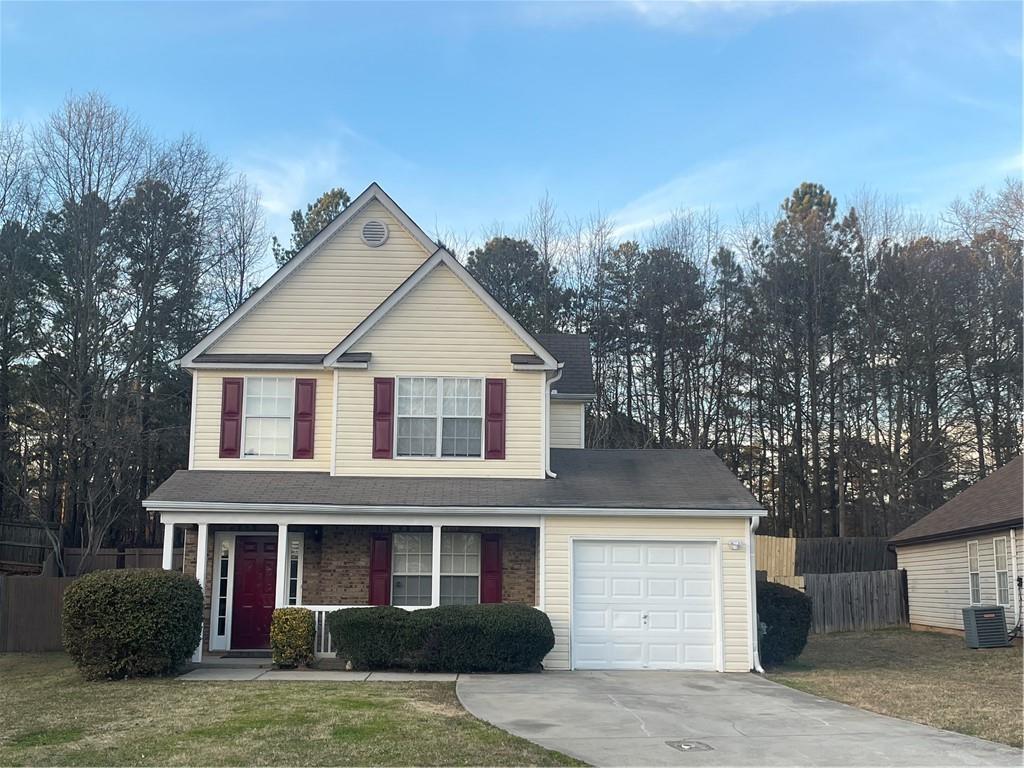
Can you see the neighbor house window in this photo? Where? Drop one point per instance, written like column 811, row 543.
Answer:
column 268, row 416
column 973, row 569
column 460, row 568
column 1002, row 575
column 411, row 566
column 410, row 569
column 439, row 417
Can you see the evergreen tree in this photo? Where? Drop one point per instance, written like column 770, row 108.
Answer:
column 305, row 226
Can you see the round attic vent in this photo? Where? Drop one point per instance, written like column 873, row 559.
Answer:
column 375, row 233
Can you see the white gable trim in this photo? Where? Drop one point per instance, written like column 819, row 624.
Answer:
column 372, row 192
column 441, row 257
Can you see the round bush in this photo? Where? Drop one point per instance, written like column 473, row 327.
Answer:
column 292, row 635
column 784, row 619
column 132, row 623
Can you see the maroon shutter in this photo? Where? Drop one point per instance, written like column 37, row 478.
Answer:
column 383, row 416
column 305, row 414
column 380, row 569
column 494, row 428
column 490, row 568
column 231, row 418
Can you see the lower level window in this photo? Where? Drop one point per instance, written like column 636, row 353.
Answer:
column 1002, row 575
column 412, row 566
column 975, row 572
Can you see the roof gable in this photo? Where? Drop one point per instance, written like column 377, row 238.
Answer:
column 997, row 500
column 440, row 260
column 374, row 202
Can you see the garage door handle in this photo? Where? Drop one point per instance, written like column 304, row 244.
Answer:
column 644, row 617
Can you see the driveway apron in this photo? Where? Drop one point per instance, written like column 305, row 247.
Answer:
column 707, row 719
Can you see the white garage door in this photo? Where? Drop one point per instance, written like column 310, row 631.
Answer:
column 643, row 605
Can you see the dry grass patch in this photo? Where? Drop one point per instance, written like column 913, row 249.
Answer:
column 921, row 676
column 49, row 715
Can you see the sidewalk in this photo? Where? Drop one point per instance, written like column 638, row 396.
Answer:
column 222, row 671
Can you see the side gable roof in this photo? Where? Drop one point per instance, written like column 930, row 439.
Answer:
column 995, row 502
column 440, row 258
column 573, row 351
column 372, row 192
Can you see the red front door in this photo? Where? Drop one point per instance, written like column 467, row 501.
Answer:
column 253, row 604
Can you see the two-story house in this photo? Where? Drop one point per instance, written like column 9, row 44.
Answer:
column 371, row 427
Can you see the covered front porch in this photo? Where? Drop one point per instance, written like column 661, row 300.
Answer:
column 248, row 564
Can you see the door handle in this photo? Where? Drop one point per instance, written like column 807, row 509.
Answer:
column 644, row 616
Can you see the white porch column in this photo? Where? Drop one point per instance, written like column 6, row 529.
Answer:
column 281, row 599
column 435, row 567
column 201, row 555
column 168, row 561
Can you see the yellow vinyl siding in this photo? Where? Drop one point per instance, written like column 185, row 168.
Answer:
column 327, row 296
column 560, row 531
column 938, row 580
column 207, row 421
column 566, row 424
column 441, row 328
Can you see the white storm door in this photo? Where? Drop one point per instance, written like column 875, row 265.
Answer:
column 644, row 605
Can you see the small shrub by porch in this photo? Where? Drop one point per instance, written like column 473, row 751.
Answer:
column 498, row 637
column 132, row 623
column 292, row 636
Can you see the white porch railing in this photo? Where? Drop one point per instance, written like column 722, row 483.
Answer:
column 323, row 645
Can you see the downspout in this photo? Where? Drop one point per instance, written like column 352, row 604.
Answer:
column 754, row 650
column 547, row 421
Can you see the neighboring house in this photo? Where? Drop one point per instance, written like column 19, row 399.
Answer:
column 372, row 428
column 966, row 552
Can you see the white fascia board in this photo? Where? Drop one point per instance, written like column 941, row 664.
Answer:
column 372, row 192
column 349, row 365
column 320, row 510
column 572, row 397
column 257, row 366
column 439, row 258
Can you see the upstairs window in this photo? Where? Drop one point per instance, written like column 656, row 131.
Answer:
column 439, row 417
column 974, row 571
column 269, row 406
column 1002, row 575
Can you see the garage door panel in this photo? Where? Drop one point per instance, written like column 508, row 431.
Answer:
column 644, row 605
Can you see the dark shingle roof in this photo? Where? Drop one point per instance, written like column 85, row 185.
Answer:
column 995, row 502
column 607, row 479
column 572, row 349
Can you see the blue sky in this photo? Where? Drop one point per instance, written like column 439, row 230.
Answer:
column 467, row 113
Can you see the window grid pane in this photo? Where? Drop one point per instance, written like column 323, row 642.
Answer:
column 411, row 559
column 422, row 402
column 268, row 416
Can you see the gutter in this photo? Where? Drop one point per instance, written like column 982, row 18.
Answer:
column 755, row 653
column 547, row 421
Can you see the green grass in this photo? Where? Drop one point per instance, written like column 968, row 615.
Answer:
column 921, row 676
column 49, row 715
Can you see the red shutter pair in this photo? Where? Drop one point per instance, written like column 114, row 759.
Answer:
column 380, row 568
column 231, row 394
column 384, row 417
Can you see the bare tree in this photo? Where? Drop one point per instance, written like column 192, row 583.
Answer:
column 241, row 245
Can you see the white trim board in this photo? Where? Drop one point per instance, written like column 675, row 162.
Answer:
column 440, row 257
column 372, row 192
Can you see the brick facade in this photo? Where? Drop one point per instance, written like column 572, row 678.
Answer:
column 336, row 563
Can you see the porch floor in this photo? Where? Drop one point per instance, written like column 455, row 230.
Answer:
column 231, row 669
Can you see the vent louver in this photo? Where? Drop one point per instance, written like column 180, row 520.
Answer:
column 375, row 233
column 985, row 626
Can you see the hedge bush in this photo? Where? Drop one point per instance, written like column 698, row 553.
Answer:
column 132, row 623
column 292, row 636
column 784, row 620
column 500, row 637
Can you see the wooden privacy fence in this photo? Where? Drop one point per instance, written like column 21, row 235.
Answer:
column 30, row 609
column 782, row 556
column 109, row 558
column 844, row 602
column 23, row 543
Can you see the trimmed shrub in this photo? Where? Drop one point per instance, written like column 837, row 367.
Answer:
column 500, row 637
column 371, row 638
column 132, row 623
column 292, row 635
column 784, row 620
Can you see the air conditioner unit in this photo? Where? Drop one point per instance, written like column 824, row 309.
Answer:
column 985, row 626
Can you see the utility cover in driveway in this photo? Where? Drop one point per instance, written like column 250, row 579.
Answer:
column 643, row 605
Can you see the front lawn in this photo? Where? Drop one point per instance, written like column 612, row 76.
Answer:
column 921, row 676
column 50, row 716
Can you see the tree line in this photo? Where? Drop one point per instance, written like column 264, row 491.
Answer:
column 855, row 367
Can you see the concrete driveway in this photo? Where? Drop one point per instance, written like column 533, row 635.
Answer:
column 634, row 718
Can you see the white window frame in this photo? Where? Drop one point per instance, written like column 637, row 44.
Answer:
column 1005, row 571
column 428, row 535
column 291, row 421
column 439, row 418
column 479, row 563
column 972, row 573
